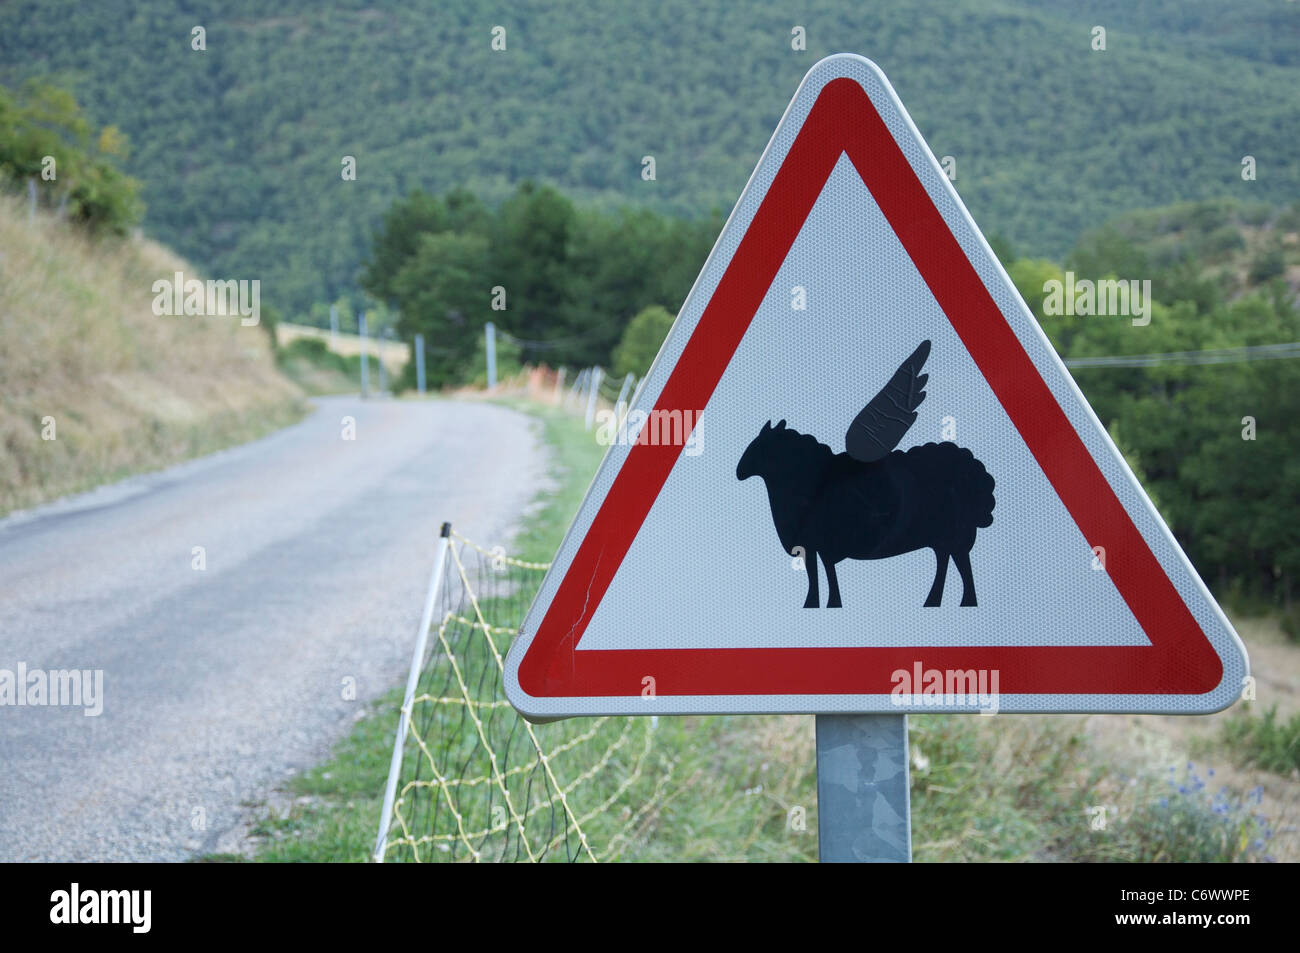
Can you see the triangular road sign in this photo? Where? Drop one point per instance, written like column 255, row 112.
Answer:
column 750, row 542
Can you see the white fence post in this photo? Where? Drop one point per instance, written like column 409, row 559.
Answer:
column 593, row 392
column 412, row 682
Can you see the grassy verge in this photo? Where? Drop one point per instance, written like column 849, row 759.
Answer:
column 95, row 386
column 317, row 370
column 744, row 788
column 764, row 764
column 1265, row 741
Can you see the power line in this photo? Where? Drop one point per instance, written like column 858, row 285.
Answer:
column 1224, row 355
column 553, row 343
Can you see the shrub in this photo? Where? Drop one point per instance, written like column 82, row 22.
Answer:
column 1190, row 825
column 1267, row 265
column 1265, row 742
column 44, row 121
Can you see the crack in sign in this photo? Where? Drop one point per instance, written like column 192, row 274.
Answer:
column 573, row 628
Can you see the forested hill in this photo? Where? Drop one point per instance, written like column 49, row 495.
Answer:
column 240, row 146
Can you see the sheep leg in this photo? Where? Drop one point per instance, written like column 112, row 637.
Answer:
column 940, row 574
column 810, row 566
column 962, row 561
column 833, row 583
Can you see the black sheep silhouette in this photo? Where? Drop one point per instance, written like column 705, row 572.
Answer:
column 874, row 502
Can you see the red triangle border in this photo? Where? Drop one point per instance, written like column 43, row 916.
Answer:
column 844, row 121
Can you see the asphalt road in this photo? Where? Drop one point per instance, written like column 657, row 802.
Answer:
column 219, row 683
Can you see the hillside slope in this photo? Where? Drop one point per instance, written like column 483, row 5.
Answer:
column 241, row 144
column 127, row 390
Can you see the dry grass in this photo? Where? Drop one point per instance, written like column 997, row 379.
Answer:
column 129, row 391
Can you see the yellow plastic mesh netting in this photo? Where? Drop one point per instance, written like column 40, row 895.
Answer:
column 479, row 783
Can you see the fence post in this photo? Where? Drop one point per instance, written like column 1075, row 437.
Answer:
column 490, row 331
column 365, row 363
column 412, row 682
column 593, row 392
column 576, row 391
column 559, row 385
column 334, row 325
column 419, row 362
column 620, row 408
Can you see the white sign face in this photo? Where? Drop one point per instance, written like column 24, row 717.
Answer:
column 859, row 479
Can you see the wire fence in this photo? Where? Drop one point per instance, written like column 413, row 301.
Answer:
column 476, row 782
column 587, row 391
column 1223, row 355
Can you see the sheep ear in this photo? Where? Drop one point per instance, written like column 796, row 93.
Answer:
column 766, row 427
column 781, row 425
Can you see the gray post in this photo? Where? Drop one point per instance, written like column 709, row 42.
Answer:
column 31, row 200
column 383, row 371
column 365, row 362
column 334, row 325
column 593, row 392
column 576, row 391
column 419, row 362
column 490, row 330
column 620, row 407
column 863, row 800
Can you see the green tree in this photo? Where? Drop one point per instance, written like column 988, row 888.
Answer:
column 44, row 123
column 441, row 292
column 530, row 260
column 405, row 223
column 641, row 341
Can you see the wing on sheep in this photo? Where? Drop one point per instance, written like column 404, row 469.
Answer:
column 876, row 430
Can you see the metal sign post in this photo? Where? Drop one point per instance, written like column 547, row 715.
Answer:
column 863, row 799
